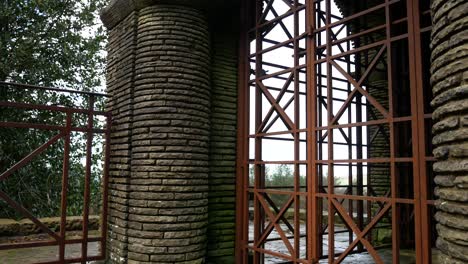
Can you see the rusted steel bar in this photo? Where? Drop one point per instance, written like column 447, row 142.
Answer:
column 277, row 211
column 274, row 42
column 267, row 76
column 275, row 254
column 273, row 191
column 281, row 23
column 87, row 183
column 361, row 234
column 65, row 172
column 371, row 99
column 297, row 118
column 370, row 160
column 30, row 125
column 366, row 198
column 353, row 36
column 331, row 176
column 284, row 117
column 420, row 180
column 353, row 51
column 320, row 132
column 279, row 133
column 28, row 215
column 274, row 223
column 265, row 11
column 368, row 123
column 31, row 156
column 272, row 122
column 277, row 100
column 276, row 19
column 73, row 260
column 45, row 243
column 51, row 108
column 65, row 131
column 393, row 179
column 242, row 213
column 49, row 127
column 36, row 87
column 349, row 190
column 355, row 15
column 258, row 170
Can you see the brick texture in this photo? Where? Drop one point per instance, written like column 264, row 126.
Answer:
column 160, row 87
column 449, row 78
column 120, row 78
column 221, row 198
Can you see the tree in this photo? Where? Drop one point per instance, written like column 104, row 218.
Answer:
column 282, row 176
column 52, row 42
column 56, row 43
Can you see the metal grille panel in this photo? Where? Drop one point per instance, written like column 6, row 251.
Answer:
column 334, row 142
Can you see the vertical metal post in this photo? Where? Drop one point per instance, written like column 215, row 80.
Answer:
column 312, row 177
column 297, row 229
column 318, row 123
column 258, row 175
column 89, row 146
column 423, row 252
column 331, row 176
column 242, row 210
column 65, row 172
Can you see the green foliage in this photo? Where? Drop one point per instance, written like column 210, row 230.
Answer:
column 282, row 177
column 51, row 43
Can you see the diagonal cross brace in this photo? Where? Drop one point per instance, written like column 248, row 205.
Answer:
column 278, row 99
column 358, row 86
column 27, row 214
column 32, row 155
column 274, row 223
column 371, row 99
column 287, row 121
column 360, row 234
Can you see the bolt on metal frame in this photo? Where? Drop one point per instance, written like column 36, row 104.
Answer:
column 63, row 133
column 336, row 118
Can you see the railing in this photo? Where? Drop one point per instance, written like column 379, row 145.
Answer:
column 64, row 126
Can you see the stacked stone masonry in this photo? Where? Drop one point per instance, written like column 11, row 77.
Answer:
column 449, row 70
column 120, row 72
column 159, row 79
column 170, row 135
column 222, row 196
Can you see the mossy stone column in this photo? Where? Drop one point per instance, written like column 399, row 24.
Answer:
column 449, row 69
column 160, row 155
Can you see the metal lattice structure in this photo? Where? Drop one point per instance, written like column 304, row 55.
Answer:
column 334, row 137
column 66, row 123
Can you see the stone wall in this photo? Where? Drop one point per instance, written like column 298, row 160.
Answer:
column 120, row 78
column 222, row 196
column 24, row 227
column 449, row 69
column 170, row 135
column 159, row 80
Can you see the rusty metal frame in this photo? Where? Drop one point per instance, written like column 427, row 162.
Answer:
column 63, row 133
column 321, row 44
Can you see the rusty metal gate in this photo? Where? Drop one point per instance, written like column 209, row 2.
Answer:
column 63, row 128
column 334, row 153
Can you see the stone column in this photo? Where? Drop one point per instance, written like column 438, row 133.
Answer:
column 449, row 69
column 159, row 192
column 120, row 79
column 222, row 178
